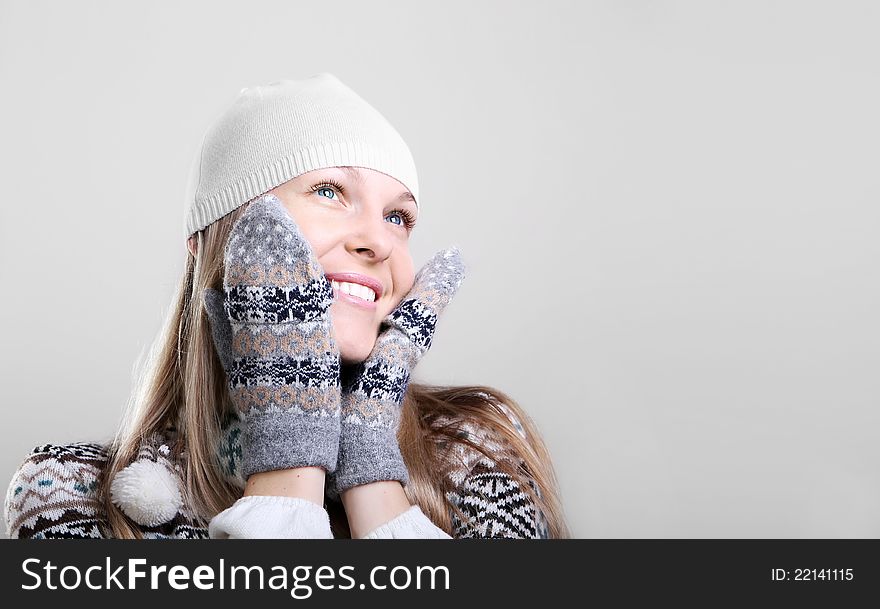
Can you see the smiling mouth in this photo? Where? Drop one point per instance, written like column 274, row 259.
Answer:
column 354, row 290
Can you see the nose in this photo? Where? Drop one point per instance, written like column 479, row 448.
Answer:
column 369, row 237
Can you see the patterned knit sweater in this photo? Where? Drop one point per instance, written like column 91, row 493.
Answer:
column 53, row 493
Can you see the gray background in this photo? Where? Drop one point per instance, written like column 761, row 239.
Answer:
column 669, row 212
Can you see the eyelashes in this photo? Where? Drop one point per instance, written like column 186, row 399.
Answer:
column 328, row 182
column 409, row 221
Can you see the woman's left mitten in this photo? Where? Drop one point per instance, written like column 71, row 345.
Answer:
column 372, row 395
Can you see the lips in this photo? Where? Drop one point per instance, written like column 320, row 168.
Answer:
column 373, row 284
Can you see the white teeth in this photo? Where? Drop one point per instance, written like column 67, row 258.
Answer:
column 364, row 292
column 354, row 289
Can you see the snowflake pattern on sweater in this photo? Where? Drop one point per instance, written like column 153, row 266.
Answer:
column 494, row 504
column 53, row 494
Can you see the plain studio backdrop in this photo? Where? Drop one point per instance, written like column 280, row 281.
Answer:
column 669, row 212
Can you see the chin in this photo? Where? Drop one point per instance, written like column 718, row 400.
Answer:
column 354, row 338
column 349, row 356
column 355, row 351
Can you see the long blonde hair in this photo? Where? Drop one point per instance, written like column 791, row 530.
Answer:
column 182, row 385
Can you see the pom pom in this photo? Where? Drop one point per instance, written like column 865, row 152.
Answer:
column 147, row 492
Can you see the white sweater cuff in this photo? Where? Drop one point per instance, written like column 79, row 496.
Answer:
column 411, row 524
column 271, row 517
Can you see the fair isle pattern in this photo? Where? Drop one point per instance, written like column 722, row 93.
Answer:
column 494, row 504
column 157, row 448
column 53, row 496
column 417, row 320
column 52, row 493
column 229, row 452
column 373, row 393
column 284, row 363
column 280, row 341
column 281, row 370
column 277, row 305
column 434, row 286
column 277, row 301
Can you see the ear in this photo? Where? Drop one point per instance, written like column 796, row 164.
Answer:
column 193, row 245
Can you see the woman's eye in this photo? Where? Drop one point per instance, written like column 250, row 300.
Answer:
column 406, row 219
column 327, row 186
column 325, row 189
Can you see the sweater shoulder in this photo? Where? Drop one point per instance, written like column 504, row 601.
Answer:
column 53, row 493
column 465, row 460
column 489, row 502
column 73, row 453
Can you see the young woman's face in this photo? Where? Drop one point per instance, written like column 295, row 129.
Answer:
column 360, row 227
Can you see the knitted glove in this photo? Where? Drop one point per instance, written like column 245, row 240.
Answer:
column 373, row 391
column 272, row 331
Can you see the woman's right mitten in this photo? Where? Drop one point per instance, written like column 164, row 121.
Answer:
column 274, row 338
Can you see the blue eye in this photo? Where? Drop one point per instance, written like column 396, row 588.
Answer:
column 324, row 188
column 406, row 219
column 328, row 185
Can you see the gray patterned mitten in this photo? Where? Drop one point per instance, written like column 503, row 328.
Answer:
column 272, row 330
column 373, row 393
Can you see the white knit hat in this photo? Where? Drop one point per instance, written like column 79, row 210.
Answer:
column 276, row 132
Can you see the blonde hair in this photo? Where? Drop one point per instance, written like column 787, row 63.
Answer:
column 182, row 385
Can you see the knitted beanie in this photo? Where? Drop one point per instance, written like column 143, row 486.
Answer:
column 276, row 132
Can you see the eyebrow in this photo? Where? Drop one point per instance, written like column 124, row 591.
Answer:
column 355, row 176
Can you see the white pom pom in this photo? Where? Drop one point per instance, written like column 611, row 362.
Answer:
column 147, row 492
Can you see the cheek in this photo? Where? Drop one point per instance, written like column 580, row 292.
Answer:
column 312, row 226
column 404, row 279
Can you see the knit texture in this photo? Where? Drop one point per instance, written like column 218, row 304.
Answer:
column 276, row 132
column 147, row 490
column 494, row 504
column 53, row 492
column 373, row 393
column 53, row 496
column 283, row 372
column 256, row 518
column 411, row 524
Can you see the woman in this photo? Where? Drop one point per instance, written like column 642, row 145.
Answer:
column 278, row 401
